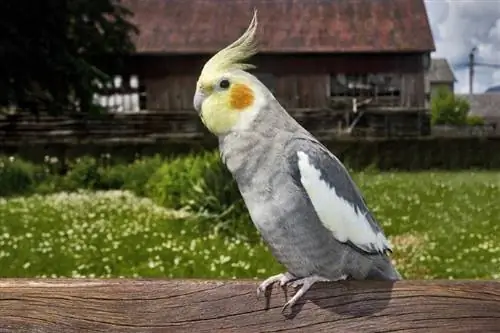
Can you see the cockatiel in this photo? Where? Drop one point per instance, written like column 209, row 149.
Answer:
column 300, row 197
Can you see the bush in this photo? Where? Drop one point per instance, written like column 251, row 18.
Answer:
column 166, row 186
column 92, row 174
column 83, row 173
column 20, row 177
column 199, row 183
column 17, row 176
column 113, row 177
column 215, row 191
column 51, row 184
column 475, row 120
column 138, row 173
column 448, row 109
column 133, row 177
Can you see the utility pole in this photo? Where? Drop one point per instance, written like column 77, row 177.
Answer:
column 471, row 71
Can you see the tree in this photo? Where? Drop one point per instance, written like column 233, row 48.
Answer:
column 448, row 109
column 53, row 53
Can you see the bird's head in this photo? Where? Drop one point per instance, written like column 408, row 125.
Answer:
column 227, row 97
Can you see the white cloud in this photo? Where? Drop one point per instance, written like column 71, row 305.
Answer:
column 460, row 25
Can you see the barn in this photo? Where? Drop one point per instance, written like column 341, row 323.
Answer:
column 350, row 65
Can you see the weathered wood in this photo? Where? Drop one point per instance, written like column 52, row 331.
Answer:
column 65, row 305
column 171, row 92
column 325, row 123
column 160, row 66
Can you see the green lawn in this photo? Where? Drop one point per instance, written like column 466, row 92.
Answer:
column 442, row 225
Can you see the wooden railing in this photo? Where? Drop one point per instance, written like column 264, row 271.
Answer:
column 120, row 305
column 160, row 126
column 134, row 127
column 145, row 126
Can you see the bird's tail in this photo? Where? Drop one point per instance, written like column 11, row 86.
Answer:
column 395, row 274
column 384, row 270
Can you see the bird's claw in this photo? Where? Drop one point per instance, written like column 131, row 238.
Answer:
column 260, row 291
column 288, row 279
column 286, row 306
column 306, row 284
column 282, row 278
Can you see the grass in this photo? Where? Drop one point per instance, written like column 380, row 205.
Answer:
column 115, row 234
column 442, row 225
column 446, row 225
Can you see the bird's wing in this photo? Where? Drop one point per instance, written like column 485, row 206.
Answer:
column 334, row 196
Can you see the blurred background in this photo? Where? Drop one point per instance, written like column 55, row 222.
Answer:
column 107, row 171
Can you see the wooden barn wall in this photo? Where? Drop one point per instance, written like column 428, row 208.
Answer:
column 413, row 89
column 302, row 91
column 300, row 81
column 170, row 93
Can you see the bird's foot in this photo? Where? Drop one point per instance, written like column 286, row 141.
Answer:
column 306, row 284
column 282, row 278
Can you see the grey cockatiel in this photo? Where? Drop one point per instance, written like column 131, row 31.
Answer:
column 299, row 195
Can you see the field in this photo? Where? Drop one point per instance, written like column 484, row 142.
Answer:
column 441, row 225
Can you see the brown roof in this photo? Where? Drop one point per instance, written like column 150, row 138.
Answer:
column 486, row 105
column 289, row 26
column 440, row 71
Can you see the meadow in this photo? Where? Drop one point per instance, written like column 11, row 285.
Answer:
column 183, row 218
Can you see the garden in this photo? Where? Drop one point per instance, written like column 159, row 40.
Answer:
column 183, row 217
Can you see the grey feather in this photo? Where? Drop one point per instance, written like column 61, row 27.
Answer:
column 335, row 175
column 262, row 160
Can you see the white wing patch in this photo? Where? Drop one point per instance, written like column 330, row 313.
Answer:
column 337, row 214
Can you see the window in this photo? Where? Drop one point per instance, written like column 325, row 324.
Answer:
column 376, row 88
column 122, row 94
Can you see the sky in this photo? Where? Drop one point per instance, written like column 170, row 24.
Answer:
column 460, row 25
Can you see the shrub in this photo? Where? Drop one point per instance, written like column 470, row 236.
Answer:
column 133, row 176
column 200, row 183
column 90, row 173
column 167, row 184
column 51, row 183
column 83, row 173
column 112, row 177
column 475, row 120
column 215, row 191
column 448, row 109
column 137, row 174
column 17, row 176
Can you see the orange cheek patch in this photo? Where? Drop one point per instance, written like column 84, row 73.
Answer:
column 240, row 96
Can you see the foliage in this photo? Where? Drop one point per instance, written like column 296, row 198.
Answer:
column 83, row 173
column 442, row 225
column 473, row 120
column 54, row 62
column 133, row 176
column 23, row 177
column 448, row 109
column 17, row 176
column 200, row 183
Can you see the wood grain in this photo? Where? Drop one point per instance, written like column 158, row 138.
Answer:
column 120, row 305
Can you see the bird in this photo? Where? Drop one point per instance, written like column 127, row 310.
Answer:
column 300, row 197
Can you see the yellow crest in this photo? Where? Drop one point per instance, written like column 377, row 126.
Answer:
column 232, row 56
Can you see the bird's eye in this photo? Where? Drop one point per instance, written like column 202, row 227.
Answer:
column 224, row 83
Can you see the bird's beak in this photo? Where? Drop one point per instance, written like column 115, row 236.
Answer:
column 198, row 99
